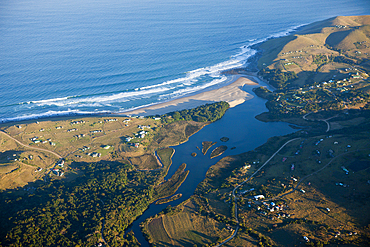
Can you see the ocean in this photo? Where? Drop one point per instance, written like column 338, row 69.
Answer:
column 81, row 57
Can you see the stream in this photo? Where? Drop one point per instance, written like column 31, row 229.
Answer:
column 245, row 133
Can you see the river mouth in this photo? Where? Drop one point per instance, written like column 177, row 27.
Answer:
column 245, row 133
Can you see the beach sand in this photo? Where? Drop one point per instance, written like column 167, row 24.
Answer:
column 232, row 93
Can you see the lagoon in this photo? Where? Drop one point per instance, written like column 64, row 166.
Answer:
column 245, row 133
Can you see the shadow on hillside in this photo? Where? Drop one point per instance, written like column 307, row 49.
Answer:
column 9, row 155
column 335, row 38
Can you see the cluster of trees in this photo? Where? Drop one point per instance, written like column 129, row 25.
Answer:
column 316, row 100
column 278, row 78
column 324, row 59
column 263, row 240
column 204, row 113
column 321, row 59
column 72, row 214
column 101, row 203
column 263, row 92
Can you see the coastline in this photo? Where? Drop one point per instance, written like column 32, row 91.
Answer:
column 232, row 93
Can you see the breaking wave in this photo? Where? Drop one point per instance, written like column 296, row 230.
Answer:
column 193, row 81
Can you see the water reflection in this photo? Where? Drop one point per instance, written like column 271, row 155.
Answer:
column 245, row 133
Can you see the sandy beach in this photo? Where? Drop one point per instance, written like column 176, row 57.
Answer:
column 232, row 93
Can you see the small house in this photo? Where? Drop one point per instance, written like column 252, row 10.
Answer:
column 259, row 197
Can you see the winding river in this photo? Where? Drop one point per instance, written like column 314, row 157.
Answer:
column 245, row 133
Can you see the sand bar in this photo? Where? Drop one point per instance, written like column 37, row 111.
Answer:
column 232, row 93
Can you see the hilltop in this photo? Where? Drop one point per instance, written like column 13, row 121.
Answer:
column 322, row 66
column 318, row 52
column 308, row 188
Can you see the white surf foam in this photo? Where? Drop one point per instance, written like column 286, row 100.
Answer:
column 189, row 90
column 166, row 90
column 46, row 101
column 103, row 100
column 50, row 114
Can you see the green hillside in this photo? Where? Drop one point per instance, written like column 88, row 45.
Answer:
column 318, row 52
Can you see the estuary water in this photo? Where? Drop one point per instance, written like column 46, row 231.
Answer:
column 73, row 57
column 245, row 133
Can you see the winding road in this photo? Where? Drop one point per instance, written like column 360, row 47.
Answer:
column 323, row 120
column 27, row 146
column 235, row 198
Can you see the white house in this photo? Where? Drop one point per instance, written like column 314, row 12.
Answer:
column 258, row 197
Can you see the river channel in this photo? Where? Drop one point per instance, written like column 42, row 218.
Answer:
column 245, row 133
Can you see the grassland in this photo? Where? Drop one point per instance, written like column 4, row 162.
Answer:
column 325, row 196
column 111, row 169
column 182, row 228
column 346, row 37
column 165, row 156
column 90, row 139
column 323, row 66
column 315, row 191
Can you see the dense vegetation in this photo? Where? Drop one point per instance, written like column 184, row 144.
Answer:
column 72, row 213
column 263, row 92
column 66, row 214
column 204, row 113
column 101, row 200
column 277, row 77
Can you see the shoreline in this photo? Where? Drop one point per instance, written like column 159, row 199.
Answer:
column 232, row 93
column 192, row 100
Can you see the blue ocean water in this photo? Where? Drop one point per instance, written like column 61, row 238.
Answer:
column 67, row 57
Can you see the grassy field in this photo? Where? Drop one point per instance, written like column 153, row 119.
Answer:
column 165, row 156
column 320, row 183
column 185, row 228
column 145, row 162
column 88, row 139
column 343, row 36
column 19, row 165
